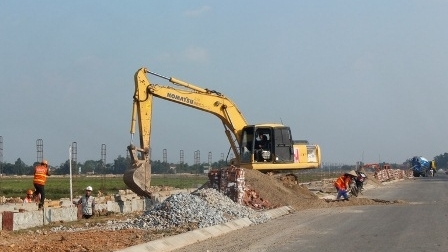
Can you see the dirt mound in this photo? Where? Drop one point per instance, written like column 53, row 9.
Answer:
column 281, row 192
column 276, row 192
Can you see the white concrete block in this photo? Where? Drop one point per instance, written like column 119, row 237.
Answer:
column 60, row 214
column 27, row 220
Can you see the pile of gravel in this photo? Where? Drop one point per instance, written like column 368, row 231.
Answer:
column 231, row 209
column 203, row 208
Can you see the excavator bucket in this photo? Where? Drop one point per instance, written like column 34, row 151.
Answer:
column 138, row 176
column 138, row 179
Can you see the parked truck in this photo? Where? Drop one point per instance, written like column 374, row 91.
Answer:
column 422, row 167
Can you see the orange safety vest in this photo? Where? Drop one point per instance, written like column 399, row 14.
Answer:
column 341, row 182
column 40, row 175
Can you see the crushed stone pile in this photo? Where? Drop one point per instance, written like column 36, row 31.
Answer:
column 203, row 208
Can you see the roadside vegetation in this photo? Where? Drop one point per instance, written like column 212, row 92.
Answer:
column 59, row 186
column 119, row 165
column 16, row 178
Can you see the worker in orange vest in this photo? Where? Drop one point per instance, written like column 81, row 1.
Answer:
column 29, row 196
column 41, row 172
column 342, row 184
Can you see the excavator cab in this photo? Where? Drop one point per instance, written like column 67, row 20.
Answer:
column 266, row 144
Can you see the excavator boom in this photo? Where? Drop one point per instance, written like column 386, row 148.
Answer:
column 138, row 176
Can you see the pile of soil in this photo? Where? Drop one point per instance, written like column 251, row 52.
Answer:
column 283, row 192
column 279, row 193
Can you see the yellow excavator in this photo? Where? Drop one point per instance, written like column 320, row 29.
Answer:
column 265, row 147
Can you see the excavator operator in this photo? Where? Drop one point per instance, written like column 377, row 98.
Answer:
column 261, row 142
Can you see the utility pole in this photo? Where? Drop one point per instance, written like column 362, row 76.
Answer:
column 75, row 155
column 103, row 164
column 70, row 154
column 209, row 158
column 181, row 158
column 40, row 150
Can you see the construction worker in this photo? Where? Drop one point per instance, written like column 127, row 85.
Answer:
column 343, row 183
column 88, row 203
column 433, row 168
column 29, row 196
column 261, row 143
column 41, row 172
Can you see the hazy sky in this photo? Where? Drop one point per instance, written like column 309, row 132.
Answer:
column 366, row 80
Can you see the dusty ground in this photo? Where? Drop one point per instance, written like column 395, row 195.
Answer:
column 269, row 188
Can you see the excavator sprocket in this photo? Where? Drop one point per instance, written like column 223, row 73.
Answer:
column 138, row 179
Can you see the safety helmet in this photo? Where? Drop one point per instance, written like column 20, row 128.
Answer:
column 29, row 191
column 352, row 173
column 44, row 162
column 89, row 188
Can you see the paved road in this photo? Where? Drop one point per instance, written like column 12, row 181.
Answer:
column 420, row 225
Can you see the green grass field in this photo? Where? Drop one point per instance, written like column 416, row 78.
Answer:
column 59, row 187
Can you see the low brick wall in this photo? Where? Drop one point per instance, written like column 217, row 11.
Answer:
column 16, row 216
column 392, row 174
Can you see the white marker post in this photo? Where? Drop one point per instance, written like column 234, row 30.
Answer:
column 70, row 162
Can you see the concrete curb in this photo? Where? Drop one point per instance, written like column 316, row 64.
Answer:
column 181, row 240
column 277, row 212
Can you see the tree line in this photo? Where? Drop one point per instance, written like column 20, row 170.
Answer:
column 119, row 166
column 441, row 161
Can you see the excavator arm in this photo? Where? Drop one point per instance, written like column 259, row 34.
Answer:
column 138, row 176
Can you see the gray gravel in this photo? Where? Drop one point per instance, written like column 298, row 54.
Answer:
column 204, row 208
